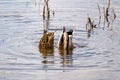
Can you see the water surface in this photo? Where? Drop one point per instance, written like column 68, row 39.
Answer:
column 21, row 27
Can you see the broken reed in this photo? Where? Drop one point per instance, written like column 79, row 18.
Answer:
column 108, row 18
column 46, row 10
column 109, row 15
column 99, row 14
column 90, row 26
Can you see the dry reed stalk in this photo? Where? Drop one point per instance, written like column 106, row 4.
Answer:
column 104, row 18
column 46, row 10
column 114, row 14
column 113, row 17
column 109, row 2
column 90, row 25
column 107, row 15
column 88, row 28
column 99, row 15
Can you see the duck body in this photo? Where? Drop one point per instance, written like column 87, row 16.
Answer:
column 47, row 41
column 65, row 40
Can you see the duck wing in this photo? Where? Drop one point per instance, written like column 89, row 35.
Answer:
column 61, row 41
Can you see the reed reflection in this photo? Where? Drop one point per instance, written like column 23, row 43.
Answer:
column 46, row 24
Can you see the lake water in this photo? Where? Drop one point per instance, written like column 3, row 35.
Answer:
column 21, row 27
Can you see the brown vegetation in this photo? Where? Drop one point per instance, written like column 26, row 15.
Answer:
column 108, row 19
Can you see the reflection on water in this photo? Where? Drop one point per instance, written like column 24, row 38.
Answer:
column 66, row 57
column 48, row 59
column 47, row 52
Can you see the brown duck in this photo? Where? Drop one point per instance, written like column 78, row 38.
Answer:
column 47, row 41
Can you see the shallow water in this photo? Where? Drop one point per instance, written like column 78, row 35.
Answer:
column 21, row 27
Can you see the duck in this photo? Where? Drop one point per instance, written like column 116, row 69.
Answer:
column 47, row 41
column 65, row 40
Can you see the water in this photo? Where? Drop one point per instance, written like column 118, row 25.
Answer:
column 21, row 27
